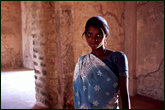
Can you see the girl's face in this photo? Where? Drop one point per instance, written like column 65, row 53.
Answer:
column 95, row 37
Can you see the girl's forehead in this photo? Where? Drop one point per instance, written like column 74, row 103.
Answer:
column 93, row 28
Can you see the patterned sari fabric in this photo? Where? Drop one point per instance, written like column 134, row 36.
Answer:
column 95, row 86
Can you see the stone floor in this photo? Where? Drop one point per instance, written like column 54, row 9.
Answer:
column 17, row 92
column 17, row 89
column 142, row 102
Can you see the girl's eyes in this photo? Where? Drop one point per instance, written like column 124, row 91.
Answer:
column 99, row 35
column 89, row 35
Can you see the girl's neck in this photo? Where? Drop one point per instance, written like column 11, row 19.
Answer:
column 99, row 52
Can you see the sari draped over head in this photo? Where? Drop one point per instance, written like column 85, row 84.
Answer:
column 95, row 86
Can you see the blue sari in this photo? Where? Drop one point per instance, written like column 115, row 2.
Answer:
column 95, row 86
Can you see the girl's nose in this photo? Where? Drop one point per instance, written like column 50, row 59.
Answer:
column 93, row 39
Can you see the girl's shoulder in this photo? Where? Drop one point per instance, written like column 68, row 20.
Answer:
column 118, row 53
column 82, row 57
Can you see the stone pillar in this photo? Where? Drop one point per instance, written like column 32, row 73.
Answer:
column 42, row 34
column 39, row 34
column 130, row 43
column 64, row 32
column 53, row 57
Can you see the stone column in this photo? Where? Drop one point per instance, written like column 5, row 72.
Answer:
column 64, row 32
column 40, row 32
column 44, row 52
column 130, row 43
column 53, row 57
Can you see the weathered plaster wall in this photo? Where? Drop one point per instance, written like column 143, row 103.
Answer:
column 27, row 39
column 150, row 49
column 11, row 38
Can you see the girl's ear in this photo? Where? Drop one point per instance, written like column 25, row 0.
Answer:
column 106, row 35
column 83, row 34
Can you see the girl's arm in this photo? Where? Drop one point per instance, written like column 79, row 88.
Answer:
column 124, row 93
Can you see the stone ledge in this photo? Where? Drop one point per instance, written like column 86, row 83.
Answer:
column 39, row 106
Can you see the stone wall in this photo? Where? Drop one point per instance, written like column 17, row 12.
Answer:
column 27, row 38
column 150, row 49
column 11, row 37
column 144, row 46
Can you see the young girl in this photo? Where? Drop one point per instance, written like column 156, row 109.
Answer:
column 99, row 75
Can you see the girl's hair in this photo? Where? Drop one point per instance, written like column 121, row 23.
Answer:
column 98, row 22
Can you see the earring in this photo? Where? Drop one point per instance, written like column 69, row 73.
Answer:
column 96, row 39
column 105, row 42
